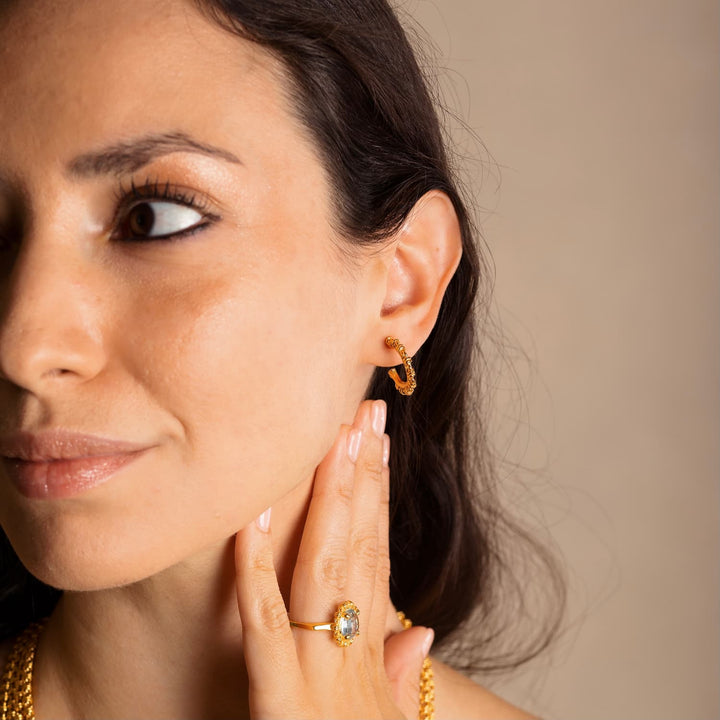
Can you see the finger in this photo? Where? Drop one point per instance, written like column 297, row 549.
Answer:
column 268, row 645
column 368, row 546
column 320, row 574
column 380, row 625
column 405, row 653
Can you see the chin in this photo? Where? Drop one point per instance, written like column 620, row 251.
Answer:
column 68, row 554
column 85, row 571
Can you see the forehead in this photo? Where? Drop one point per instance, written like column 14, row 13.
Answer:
column 79, row 73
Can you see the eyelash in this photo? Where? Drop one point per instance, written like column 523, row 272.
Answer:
column 155, row 190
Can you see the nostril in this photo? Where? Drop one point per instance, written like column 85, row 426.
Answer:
column 39, row 361
column 56, row 372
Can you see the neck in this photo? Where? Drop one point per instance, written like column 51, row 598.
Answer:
column 167, row 646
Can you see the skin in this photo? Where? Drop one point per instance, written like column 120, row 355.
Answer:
column 240, row 354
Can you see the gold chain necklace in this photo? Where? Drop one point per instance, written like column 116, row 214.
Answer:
column 17, row 703
column 427, row 681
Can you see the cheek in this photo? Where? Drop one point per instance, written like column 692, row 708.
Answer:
column 252, row 370
column 248, row 376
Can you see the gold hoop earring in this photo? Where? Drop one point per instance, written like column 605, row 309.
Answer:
column 404, row 387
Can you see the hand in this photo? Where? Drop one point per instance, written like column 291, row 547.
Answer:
column 298, row 673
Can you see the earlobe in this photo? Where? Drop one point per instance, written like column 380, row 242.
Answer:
column 426, row 253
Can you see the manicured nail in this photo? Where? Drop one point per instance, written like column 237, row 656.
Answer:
column 379, row 412
column 354, row 440
column 428, row 641
column 386, row 450
column 263, row 521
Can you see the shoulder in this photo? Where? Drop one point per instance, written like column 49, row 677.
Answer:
column 456, row 697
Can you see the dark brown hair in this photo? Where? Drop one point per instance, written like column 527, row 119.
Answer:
column 356, row 87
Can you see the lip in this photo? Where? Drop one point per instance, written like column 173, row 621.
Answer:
column 60, row 464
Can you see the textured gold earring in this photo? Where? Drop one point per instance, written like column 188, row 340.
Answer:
column 404, row 387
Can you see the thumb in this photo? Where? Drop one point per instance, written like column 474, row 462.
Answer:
column 405, row 653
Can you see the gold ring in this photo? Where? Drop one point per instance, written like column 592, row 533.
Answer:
column 345, row 626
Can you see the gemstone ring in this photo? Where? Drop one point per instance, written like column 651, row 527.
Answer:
column 345, row 626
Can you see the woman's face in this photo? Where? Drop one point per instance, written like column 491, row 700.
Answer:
column 231, row 353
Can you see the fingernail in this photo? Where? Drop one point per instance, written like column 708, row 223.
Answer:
column 386, row 450
column 263, row 521
column 379, row 412
column 354, row 439
column 427, row 643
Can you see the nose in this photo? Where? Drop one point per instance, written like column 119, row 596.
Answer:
column 49, row 330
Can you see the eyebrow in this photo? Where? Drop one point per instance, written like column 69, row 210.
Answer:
column 130, row 155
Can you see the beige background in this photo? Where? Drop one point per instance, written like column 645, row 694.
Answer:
column 604, row 118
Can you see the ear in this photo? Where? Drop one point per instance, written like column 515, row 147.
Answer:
column 422, row 260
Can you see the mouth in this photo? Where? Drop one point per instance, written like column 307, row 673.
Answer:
column 60, row 464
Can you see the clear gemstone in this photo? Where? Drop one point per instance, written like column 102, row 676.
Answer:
column 349, row 625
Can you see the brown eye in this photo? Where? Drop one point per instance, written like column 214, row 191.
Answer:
column 141, row 219
column 160, row 219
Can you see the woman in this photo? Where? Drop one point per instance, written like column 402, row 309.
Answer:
column 213, row 215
